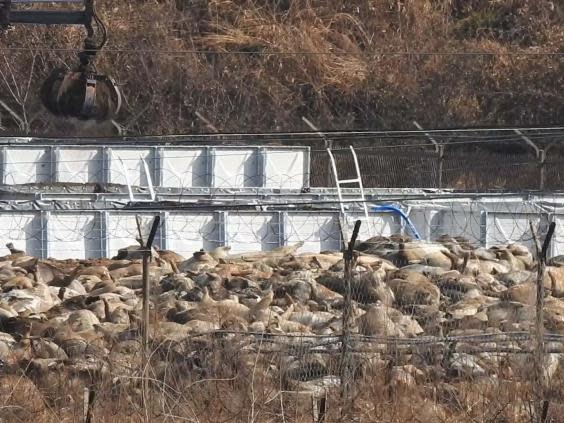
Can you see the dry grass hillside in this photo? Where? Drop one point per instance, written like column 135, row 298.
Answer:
column 259, row 65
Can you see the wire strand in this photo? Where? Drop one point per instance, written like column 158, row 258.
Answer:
column 160, row 51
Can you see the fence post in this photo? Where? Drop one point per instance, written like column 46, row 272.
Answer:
column 439, row 149
column 542, row 160
column 146, row 249
column 350, row 261
column 540, row 153
column 541, row 403
column 328, row 143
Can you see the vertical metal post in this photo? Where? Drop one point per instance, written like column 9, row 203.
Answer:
column 210, row 166
column 4, row 165
column 541, row 403
column 484, row 228
column 106, row 156
column 102, row 227
column 328, row 146
column 540, row 153
column 350, row 261
column 441, row 154
column 146, row 287
column 439, row 149
column 54, row 164
column 281, row 216
column 162, row 233
column 44, row 237
column 260, row 178
column 542, row 160
column 222, row 228
column 146, row 292
column 158, row 167
column 307, row 168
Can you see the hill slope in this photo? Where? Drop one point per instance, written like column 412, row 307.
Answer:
column 253, row 65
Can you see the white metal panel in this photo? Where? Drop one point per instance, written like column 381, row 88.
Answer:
column 235, row 168
column 122, row 230
column 27, row 165
column 378, row 224
column 184, row 167
column 558, row 239
column 460, row 223
column 190, row 232
column 252, row 232
column 421, row 219
column 285, row 168
column 80, row 165
column 504, row 228
column 318, row 231
column 23, row 230
column 133, row 164
column 73, row 235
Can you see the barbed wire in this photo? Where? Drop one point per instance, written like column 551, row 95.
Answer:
column 72, row 232
column 273, row 150
column 274, row 167
column 416, row 331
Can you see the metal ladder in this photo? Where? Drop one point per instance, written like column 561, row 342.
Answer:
column 345, row 217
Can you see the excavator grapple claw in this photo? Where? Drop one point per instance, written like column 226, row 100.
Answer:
column 80, row 95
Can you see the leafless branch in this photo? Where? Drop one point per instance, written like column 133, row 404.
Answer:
column 17, row 118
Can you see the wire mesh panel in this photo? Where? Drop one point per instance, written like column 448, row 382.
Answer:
column 380, row 167
column 554, row 172
column 483, row 170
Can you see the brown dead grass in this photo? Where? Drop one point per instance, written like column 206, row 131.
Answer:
column 254, row 71
column 219, row 382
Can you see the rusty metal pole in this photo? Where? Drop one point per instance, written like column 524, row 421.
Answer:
column 441, row 154
column 541, row 403
column 146, row 293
